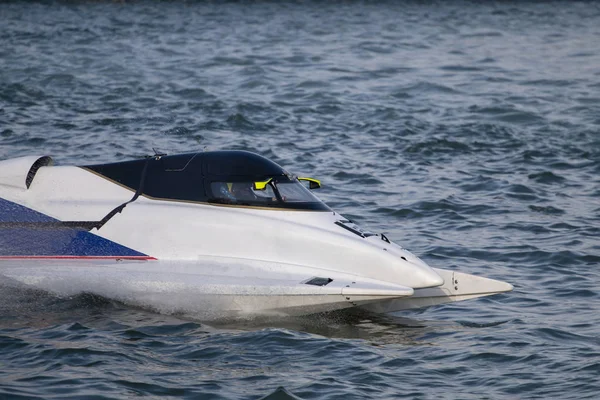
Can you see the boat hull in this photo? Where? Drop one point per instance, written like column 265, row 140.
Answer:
column 215, row 288
column 155, row 233
column 219, row 288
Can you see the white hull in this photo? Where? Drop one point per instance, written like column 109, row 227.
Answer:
column 195, row 289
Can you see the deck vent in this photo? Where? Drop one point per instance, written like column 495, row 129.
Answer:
column 317, row 281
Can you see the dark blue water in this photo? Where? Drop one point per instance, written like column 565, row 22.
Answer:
column 468, row 132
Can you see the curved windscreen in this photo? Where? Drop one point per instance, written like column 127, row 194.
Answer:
column 242, row 193
column 295, row 192
column 273, row 193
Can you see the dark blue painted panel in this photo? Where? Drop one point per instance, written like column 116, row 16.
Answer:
column 13, row 212
column 55, row 241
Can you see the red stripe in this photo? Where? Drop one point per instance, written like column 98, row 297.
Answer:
column 77, row 257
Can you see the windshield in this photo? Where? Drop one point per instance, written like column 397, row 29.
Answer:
column 242, row 193
column 294, row 192
column 281, row 194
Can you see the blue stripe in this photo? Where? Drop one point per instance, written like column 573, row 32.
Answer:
column 52, row 242
column 13, row 212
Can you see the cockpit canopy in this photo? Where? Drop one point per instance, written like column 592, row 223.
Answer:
column 238, row 178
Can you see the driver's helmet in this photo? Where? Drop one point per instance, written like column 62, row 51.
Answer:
column 243, row 191
column 225, row 191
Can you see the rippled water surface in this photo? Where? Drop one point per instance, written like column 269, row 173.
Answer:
column 468, row 132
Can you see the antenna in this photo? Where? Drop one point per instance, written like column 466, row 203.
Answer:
column 157, row 154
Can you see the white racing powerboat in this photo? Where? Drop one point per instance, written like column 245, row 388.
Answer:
column 223, row 234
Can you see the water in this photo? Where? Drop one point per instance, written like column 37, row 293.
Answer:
column 467, row 132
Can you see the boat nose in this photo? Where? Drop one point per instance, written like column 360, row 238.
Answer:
column 427, row 277
column 423, row 276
